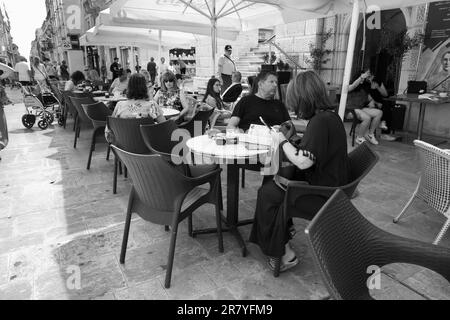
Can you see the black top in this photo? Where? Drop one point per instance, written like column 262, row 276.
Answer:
column 325, row 142
column 151, row 67
column 251, row 107
column 114, row 69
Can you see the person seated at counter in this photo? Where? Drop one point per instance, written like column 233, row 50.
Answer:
column 171, row 96
column 76, row 79
column 319, row 158
column 262, row 104
column 120, row 84
column 137, row 105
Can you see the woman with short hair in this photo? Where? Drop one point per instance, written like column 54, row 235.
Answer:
column 76, row 79
column 319, row 158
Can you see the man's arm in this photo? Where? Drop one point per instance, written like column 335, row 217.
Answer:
column 233, row 123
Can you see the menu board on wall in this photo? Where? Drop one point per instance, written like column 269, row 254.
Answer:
column 434, row 64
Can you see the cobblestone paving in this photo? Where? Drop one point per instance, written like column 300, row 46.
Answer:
column 58, row 219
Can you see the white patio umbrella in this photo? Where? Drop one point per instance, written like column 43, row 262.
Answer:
column 221, row 15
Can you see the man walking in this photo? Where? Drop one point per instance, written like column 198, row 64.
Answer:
column 226, row 67
column 24, row 72
column 151, row 68
column 115, row 68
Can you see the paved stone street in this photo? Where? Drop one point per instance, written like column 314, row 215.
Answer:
column 55, row 217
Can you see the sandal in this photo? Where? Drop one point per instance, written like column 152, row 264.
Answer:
column 284, row 266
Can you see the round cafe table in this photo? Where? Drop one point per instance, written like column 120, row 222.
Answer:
column 205, row 150
column 111, row 99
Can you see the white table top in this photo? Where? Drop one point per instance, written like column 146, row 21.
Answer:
column 207, row 147
column 168, row 112
column 111, row 99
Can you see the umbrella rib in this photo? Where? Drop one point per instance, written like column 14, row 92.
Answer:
column 223, row 7
column 195, row 8
column 237, row 13
column 186, row 7
column 235, row 9
column 209, row 9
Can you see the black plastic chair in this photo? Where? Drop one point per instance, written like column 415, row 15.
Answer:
column 69, row 108
column 232, row 93
column 82, row 118
column 98, row 113
column 164, row 196
column 361, row 160
column 200, row 116
column 344, row 245
column 127, row 136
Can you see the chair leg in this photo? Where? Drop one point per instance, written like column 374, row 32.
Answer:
column 173, row 241
column 442, row 232
column 410, row 201
column 126, row 233
column 276, row 270
column 116, row 163
column 108, row 153
column 243, row 178
column 92, row 149
column 120, row 168
column 190, row 227
column 220, row 196
column 125, row 171
column 75, row 117
column 219, row 225
column 76, row 136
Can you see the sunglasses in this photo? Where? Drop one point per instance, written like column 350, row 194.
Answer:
column 169, row 80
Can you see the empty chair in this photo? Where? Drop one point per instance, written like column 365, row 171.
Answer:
column 68, row 108
column 127, row 136
column 162, row 195
column 434, row 182
column 361, row 160
column 197, row 125
column 346, row 247
column 98, row 113
column 82, row 118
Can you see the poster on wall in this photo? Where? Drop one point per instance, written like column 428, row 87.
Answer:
column 434, row 65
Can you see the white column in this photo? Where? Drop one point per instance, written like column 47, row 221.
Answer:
column 159, row 45
column 349, row 59
column 133, row 60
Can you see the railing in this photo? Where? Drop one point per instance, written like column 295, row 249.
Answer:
column 273, row 43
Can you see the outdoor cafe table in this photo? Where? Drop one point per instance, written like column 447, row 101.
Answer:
column 206, row 149
column 410, row 98
column 111, row 99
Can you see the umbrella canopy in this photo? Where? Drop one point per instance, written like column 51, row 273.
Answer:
column 138, row 37
column 5, row 71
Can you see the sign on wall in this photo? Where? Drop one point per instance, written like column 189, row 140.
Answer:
column 434, row 64
column 72, row 15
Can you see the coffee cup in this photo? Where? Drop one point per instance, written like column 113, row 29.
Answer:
column 443, row 94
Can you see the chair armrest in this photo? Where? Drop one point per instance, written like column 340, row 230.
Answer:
column 300, row 188
column 208, row 177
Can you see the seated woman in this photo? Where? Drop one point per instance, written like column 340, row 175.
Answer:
column 120, row 84
column 320, row 158
column 76, row 79
column 138, row 104
column 368, row 113
column 170, row 96
column 212, row 98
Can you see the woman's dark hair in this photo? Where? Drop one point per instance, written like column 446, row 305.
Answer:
column 137, row 87
column 168, row 76
column 77, row 77
column 210, row 92
column 307, row 94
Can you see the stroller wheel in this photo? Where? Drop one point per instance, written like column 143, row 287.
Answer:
column 49, row 117
column 43, row 124
column 28, row 120
column 61, row 120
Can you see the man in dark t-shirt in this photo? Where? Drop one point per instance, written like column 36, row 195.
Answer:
column 114, row 68
column 251, row 108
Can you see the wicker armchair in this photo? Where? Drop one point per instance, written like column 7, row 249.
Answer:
column 202, row 117
column 361, row 160
column 127, row 136
column 344, row 245
column 434, row 182
column 97, row 113
column 162, row 195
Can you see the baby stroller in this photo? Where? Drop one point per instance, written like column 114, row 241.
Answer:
column 40, row 104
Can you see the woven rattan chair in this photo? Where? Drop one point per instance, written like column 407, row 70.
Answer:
column 162, row 195
column 434, row 182
column 81, row 119
column 345, row 246
column 98, row 113
column 361, row 160
column 127, row 136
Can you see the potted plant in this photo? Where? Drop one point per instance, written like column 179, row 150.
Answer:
column 318, row 52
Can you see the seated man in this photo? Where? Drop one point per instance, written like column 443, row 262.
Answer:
column 233, row 92
column 262, row 104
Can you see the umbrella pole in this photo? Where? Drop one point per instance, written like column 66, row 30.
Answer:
column 214, row 35
column 349, row 58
